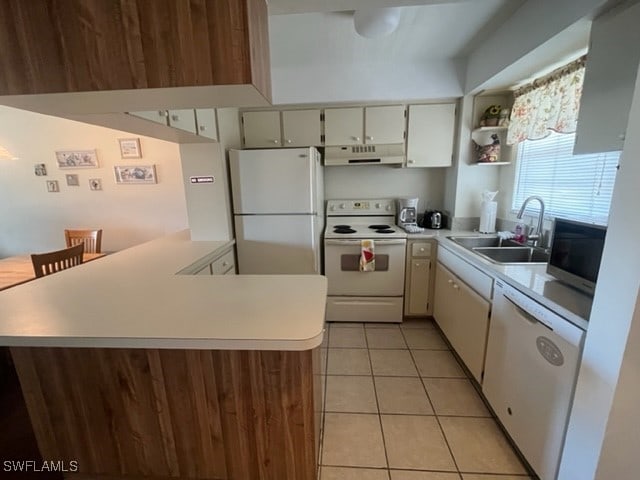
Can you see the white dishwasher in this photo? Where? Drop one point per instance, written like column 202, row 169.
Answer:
column 530, row 375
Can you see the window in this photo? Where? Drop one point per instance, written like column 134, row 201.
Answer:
column 577, row 187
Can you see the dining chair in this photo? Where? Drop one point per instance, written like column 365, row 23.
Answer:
column 92, row 239
column 52, row 262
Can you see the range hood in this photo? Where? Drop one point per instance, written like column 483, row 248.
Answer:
column 391, row 154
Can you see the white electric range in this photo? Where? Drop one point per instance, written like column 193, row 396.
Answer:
column 356, row 296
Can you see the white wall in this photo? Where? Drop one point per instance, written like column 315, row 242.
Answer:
column 314, row 83
column 386, row 182
column 517, row 37
column 33, row 220
column 614, row 306
column 209, row 205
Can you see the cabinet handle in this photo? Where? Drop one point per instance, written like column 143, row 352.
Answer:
column 202, row 128
column 357, row 139
column 224, row 264
column 275, row 141
column 289, row 141
column 163, row 113
column 417, row 264
column 411, row 161
column 449, row 281
column 622, row 136
column 369, row 137
column 422, row 249
column 456, row 286
column 175, row 118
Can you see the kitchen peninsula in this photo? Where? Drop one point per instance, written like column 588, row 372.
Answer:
column 133, row 370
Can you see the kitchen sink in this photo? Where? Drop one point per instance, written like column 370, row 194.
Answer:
column 513, row 254
column 496, row 250
column 484, row 241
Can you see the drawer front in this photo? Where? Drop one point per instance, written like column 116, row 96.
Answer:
column 421, row 249
column 223, row 264
column 476, row 279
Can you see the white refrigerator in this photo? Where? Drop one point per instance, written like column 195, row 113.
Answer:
column 278, row 201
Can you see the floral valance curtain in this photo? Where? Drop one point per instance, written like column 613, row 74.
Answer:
column 548, row 104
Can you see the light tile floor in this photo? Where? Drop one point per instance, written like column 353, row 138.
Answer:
column 399, row 407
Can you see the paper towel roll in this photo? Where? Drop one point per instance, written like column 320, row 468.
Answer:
column 488, row 211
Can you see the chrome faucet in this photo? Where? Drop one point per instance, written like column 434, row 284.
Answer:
column 537, row 236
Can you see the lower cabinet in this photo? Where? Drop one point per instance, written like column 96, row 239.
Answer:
column 224, row 263
column 418, row 281
column 463, row 316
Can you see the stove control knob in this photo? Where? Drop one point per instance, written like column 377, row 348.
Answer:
column 332, row 207
column 378, row 205
column 388, row 207
column 343, row 205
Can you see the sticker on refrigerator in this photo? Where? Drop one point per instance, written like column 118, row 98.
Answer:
column 202, row 179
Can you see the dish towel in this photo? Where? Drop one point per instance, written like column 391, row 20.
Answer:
column 367, row 256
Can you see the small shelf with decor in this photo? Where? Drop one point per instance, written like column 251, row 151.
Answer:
column 491, row 120
column 495, row 164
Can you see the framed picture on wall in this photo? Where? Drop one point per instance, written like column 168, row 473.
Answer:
column 95, row 184
column 130, row 148
column 52, row 186
column 72, row 180
column 77, row 159
column 136, row 174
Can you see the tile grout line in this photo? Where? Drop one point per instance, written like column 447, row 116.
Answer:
column 375, row 394
column 453, row 458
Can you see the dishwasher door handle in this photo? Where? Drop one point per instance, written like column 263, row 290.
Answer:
column 526, row 315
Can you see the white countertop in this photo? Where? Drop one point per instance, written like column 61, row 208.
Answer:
column 531, row 279
column 135, row 299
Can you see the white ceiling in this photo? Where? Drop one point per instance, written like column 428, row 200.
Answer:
column 316, row 55
column 425, row 32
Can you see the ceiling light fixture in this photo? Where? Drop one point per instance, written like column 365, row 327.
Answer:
column 376, row 22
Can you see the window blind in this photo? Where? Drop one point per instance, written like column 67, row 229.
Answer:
column 577, row 187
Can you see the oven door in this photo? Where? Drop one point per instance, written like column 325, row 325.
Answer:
column 342, row 260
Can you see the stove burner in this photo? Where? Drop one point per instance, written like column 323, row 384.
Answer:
column 378, row 227
column 344, row 230
column 342, row 227
column 385, row 230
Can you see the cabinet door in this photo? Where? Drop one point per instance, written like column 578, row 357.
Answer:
column 158, row 116
column 384, row 124
column 472, row 319
column 430, row 136
column 343, row 126
column 183, row 119
column 301, row 128
column 261, row 129
column 206, row 123
column 609, row 81
column 443, row 300
column 419, row 292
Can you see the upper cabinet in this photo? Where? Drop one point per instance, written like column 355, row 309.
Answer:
column 370, row 125
column 384, row 124
column 207, row 123
column 430, row 136
column 200, row 122
column 300, row 128
column 343, row 126
column 609, row 80
column 261, row 129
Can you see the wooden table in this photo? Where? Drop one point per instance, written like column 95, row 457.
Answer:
column 17, row 270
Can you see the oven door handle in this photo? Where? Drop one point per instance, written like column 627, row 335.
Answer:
column 358, row 242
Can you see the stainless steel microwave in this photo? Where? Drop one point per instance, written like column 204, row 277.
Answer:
column 576, row 253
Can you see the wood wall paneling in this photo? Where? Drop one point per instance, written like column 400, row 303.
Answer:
column 49, row 46
column 173, row 413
